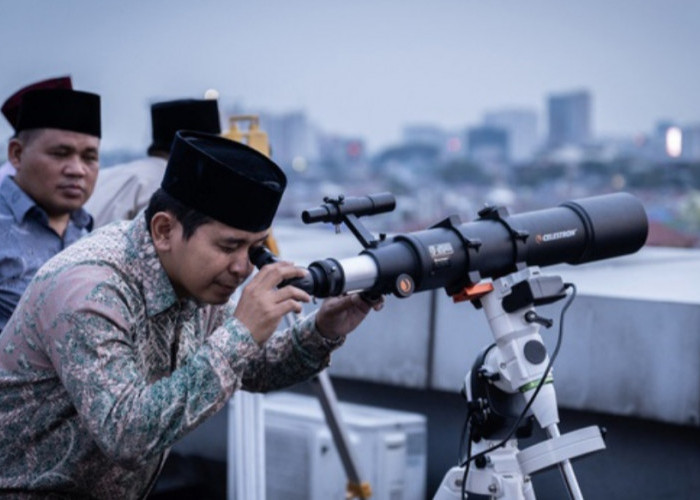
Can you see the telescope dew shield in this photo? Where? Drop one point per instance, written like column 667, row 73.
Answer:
column 617, row 223
column 575, row 232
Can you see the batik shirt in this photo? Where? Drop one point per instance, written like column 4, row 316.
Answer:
column 27, row 241
column 103, row 368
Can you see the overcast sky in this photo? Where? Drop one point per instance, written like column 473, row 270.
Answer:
column 362, row 68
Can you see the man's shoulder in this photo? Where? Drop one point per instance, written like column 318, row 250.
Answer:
column 122, row 190
column 6, row 169
column 5, row 210
column 13, row 200
column 107, row 247
column 135, row 167
column 8, row 192
column 111, row 179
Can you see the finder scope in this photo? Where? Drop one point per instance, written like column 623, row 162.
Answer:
column 454, row 255
column 333, row 210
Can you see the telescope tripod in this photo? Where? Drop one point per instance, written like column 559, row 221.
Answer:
column 509, row 385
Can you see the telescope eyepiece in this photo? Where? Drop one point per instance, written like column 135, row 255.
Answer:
column 323, row 278
column 261, row 256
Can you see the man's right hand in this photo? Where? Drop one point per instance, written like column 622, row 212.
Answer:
column 262, row 305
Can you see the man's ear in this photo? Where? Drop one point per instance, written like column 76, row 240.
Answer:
column 15, row 148
column 163, row 225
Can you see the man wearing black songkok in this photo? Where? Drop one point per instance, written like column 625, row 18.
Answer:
column 55, row 154
column 123, row 190
column 10, row 109
column 128, row 340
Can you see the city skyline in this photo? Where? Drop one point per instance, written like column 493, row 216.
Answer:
column 364, row 69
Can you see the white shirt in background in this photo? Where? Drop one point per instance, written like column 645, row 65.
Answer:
column 122, row 191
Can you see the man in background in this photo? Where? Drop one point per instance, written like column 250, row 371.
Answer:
column 124, row 190
column 10, row 109
column 55, row 154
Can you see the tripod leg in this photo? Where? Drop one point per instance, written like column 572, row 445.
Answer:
column 323, row 388
column 566, row 469
column 329, row 403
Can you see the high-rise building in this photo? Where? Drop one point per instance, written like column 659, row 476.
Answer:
column 487, row 145
column 449, row 143
column 293, row 139
column 521, row 125
column 425, row 134
column 665, row 142
column 569, row 119
column 343, row 157
column 691, row 142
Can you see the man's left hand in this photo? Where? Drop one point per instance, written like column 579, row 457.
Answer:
column 338, row 316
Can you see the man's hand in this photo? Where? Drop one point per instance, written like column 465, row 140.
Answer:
column 262, row 304
column 338, row 316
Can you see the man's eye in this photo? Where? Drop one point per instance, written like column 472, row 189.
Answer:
column 228, row 249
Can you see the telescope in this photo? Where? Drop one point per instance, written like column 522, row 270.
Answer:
column 455, row 255
column 494, row 262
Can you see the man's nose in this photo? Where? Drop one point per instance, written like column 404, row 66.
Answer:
column 240, row 264
column 74, row 166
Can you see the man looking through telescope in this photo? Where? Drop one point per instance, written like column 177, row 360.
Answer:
column 127, row 341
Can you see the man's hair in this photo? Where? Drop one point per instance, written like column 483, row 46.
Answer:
column 27, row 136
column 189, row 218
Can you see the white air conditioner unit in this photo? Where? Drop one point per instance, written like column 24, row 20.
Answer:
column 302, row 462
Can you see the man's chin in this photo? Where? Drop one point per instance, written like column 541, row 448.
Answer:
column 219, row 296
column 64, row 208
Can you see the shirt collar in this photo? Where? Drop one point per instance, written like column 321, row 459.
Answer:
column 17, row 200
column 21, row 204
column 158, row 291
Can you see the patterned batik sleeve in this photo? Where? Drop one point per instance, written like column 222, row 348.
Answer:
column 289, row 356
column 90, row 330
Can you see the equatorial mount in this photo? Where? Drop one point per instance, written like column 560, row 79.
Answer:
column 508, row 387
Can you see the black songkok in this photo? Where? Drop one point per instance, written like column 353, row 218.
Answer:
column 63, row 109
column 201, row 115
column 224, row 179
column 10, row 107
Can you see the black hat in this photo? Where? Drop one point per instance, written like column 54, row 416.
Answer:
column 224, row 179
column 62, row 109
column 201, row 115
column 10, row 107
